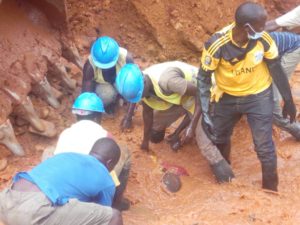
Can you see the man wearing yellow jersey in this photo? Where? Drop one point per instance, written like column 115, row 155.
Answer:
column 244, row 60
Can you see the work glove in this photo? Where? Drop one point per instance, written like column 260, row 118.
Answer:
column 282, row 83
column 289, row 108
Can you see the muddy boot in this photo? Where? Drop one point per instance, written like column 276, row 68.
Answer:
column 223, row 172
column 284, row 124
column 269, row 176
column 8, row 138
column 225, row 151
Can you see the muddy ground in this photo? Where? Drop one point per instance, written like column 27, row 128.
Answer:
column 179, row 33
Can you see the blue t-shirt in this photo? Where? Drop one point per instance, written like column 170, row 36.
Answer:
column 72, row 175
column 286, row 41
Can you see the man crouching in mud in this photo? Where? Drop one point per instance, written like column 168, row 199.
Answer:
column 244, row 60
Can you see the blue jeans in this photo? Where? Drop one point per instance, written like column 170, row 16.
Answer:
column 258, row 108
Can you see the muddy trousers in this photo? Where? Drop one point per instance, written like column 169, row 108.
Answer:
column 163, row 119
column 258, row 109
column 289, row 61
column 218, row 163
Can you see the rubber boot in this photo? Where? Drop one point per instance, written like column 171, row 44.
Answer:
column 120, row 202
column 269, row 176
column 225, row 150
column 284, row 124
column 223, row 172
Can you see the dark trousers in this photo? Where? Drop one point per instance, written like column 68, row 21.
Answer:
column 258, row 108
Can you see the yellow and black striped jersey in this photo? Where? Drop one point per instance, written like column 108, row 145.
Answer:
column 239, row 71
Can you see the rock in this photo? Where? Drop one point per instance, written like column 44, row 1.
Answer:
column 3, row 163
column 44, row 113
column 39, row 147
column 172, row 182
column 50, row 129
column 21, row 122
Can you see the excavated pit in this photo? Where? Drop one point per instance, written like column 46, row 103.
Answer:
column 36, row 45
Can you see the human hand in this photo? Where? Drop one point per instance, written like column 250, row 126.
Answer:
column 126, row 124
column 289, row 108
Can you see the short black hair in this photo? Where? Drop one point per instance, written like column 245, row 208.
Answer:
column 249, row 12
column 105, row 149
column 94, row 116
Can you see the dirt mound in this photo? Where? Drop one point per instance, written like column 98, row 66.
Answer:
column 157, row 30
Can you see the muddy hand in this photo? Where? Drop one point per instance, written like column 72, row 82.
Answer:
column 289, row 108
column 8, row 138
column 187, row 136
column 126, row 124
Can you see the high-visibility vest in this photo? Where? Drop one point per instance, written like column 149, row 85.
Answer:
column 98, row 75
column 162, row 101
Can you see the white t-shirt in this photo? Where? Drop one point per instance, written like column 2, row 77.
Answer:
column 291, row 19
column 80, row 137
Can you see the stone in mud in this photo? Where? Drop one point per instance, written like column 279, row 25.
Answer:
column 3, row 164
column 50, row 130
column 172, row 182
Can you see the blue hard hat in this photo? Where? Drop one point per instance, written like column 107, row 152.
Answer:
column 105, row 52
column 87, row 103
column 130, row 83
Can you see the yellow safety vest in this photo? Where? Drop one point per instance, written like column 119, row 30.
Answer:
column 98, row 75
column 162, row 101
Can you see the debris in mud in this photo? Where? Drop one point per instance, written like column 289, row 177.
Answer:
column 171, row 181
column 172, row 168
column 3, row 164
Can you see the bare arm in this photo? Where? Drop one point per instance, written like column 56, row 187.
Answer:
column 88, row 83
column 127, row 120
column 148, row 123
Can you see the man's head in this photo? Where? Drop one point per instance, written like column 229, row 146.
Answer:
column 88, row 106
column 130, row 83
column 105, row 52
column 251, row 17
column 107, row 151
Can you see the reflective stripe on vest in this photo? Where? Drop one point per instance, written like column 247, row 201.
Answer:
column 162, row 101
column 98, row 75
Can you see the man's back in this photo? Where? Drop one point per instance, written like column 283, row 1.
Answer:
column 72, row 175
column 80, row 137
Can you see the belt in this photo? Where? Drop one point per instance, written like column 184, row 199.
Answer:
column 23, row 185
